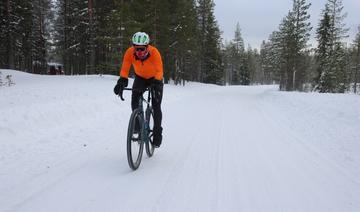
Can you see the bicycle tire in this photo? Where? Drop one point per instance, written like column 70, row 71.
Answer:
column 149, row 147
column 135, row 146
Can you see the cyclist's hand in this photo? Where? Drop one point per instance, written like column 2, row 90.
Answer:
column 117, row 89
column 120, row 85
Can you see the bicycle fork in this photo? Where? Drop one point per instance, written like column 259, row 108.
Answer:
column 146, row 127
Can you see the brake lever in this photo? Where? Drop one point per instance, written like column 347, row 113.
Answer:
column 121, row 96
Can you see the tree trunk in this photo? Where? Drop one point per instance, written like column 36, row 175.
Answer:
column 65, row 57
column 42, row 57
column 294, row 80
column 92, row 37
column 357, row 67
column 10, row 44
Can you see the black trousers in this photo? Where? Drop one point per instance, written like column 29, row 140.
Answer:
column 141, row 84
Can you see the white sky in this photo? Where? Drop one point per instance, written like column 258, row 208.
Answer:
column 259, row 18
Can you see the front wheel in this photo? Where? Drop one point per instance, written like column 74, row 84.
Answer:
column 149, row 137
column 135, row 144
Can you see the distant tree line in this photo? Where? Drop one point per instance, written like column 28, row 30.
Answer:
column 332, row 66
column 24, row 37
column 90, row 37
column 287, row 59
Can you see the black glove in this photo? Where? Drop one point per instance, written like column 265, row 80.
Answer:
column 120, row 85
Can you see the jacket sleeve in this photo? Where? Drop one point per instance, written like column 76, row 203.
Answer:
column 126, row 64
column 158, row 65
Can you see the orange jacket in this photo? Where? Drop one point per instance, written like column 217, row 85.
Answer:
column 151, row 67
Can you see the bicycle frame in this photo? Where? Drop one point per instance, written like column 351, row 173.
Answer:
column 142, row 117
column 145, row 122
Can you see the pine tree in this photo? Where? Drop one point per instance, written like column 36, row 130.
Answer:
column 13, row 13
column 61, row 34
column 9, row 23
column 238, row 40
column 183, row 47
column 339, row 65
column 356, row 47
column 3, row 35
column 231, row 64
column 76, row 27
column 24, row 47
column 302, row 36
column 266, row 64
column 246, row 64
column 211, row 70
column 92, row 34
column 169, row 35
column 297, row 29
column 112, row 35
column 227, row 64
column 331, row 53
column 275, row 57
column 323, row 52
column 253, row 60
column 335, row 11
column 24, row 34
column 235, row 57
column 286, row 53
column 190, row 40
column 289, row 44
column 40, row 34
column 241, row 74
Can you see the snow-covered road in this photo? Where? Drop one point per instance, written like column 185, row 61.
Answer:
column 236, row 148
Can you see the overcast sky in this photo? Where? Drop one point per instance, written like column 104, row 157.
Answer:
column 259, row 18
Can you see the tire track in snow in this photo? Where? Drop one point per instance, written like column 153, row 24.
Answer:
column 201, row 154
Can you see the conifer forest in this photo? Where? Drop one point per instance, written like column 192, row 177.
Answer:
column 91, row 36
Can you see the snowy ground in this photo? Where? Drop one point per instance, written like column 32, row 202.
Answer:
column 62, row 148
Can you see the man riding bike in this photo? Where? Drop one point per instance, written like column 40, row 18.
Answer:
column 148, row 66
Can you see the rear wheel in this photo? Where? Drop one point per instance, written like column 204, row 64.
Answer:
column 135, row 144
column 150, row 135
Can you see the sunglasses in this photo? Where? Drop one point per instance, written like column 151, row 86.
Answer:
column 140, row 49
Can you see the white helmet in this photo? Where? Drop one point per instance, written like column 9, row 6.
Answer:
column 140, row 38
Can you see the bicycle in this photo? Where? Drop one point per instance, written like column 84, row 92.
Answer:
column 137, row 137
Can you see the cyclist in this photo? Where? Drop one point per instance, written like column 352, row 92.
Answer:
column 148, row 66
